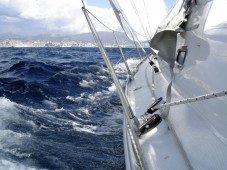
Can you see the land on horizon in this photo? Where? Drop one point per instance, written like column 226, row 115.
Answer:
column 59, row 40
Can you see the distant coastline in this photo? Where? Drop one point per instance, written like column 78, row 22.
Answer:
column 23, row 43
column 53, row 40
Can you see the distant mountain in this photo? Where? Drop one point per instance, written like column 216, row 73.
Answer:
column 106, row 37
column 10, row 35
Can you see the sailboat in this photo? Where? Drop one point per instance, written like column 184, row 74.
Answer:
column 175, row 103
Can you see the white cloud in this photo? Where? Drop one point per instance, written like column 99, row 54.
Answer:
column 50, row 16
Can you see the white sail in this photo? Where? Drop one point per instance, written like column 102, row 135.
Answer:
column 139, row 18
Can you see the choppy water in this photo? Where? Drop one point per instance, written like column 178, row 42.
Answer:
column 59, row 109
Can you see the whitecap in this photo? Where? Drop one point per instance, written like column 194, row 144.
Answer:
column 49, row 103
column 6, row 134
column 6, row 103
column 88, row 97
column 112, row 88
column 91, row 97
column 85, row 83
column 75, row 99
column 84, row 128
column 59, row 110
column 103, row 77
column 7, row 111
column 17, row 153
column 9, row 165
column 83, row 110
column 75, row 116
column 95, row 96
column 132, row 63
column 97, row 130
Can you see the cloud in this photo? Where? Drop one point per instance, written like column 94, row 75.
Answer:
column 49, row 16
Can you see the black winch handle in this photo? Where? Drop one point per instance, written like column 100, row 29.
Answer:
column 155, row 103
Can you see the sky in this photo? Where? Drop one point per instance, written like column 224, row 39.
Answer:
column 99, row 3
column 32, row 17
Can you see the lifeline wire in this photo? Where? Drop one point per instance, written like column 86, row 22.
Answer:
column 122, row 54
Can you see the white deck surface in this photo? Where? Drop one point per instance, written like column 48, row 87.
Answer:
column 191, row 137
column 160, row 149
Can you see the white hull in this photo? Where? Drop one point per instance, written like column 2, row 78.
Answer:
column 194, row 135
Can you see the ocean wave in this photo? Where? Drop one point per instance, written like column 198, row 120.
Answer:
column 85, row 83
column 59, row 108
column 112, row 88
column 132, row 63
column 11, row 138
column 8, row 112
column 31, row 70
column 13, row 165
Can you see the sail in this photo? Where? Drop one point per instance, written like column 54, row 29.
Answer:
column 139, row 18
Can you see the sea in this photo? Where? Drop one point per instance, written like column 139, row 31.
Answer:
column 59, row 108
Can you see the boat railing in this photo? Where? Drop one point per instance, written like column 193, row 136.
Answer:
column 133, row 122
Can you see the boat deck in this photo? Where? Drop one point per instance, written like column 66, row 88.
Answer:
column 188, row 138
column 159, row 146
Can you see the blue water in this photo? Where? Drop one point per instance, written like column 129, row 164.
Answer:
column 59, row 109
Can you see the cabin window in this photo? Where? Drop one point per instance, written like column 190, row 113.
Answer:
column 181, row 55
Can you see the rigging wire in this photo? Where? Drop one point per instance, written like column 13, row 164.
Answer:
column 132, row 121
column 131, row 27
column 134, row 41
column 100, row 21
column 133, row 36
column 114, row 35
column 139, row 18
column 144, row 4
column 83, row 3
column 136, row 46
column 131, row 30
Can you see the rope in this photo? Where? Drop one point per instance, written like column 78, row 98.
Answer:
column 190, row 100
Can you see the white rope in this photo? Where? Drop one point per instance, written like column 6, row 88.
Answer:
column 195, row 99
